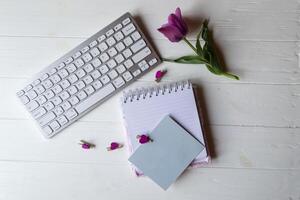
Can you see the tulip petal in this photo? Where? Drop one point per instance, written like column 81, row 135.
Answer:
column 171, row 32
column 180, row 24
column 178, row 13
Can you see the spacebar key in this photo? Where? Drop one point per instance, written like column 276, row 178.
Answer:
column 99, row 95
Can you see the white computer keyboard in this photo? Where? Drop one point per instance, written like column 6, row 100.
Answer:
column 87, row 75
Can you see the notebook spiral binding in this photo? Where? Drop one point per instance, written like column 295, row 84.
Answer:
column 142, row 93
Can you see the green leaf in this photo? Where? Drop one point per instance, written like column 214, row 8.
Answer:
column 190, row 60
column 198, row 45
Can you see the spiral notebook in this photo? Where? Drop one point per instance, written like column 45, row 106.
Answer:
column 143, row 109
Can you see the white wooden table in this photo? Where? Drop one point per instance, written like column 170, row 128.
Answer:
column 253, row 124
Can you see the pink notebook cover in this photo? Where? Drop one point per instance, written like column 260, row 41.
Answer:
column 143, row 108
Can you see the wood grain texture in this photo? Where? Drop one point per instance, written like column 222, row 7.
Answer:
column 252, row 124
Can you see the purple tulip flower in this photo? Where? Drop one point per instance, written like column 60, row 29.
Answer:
column 176, row 29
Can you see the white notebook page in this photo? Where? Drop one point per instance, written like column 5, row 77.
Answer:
column 143, row 110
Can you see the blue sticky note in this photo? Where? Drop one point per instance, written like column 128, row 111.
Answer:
column 168, row 155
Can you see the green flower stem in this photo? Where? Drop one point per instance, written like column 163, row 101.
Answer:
column 188, row 43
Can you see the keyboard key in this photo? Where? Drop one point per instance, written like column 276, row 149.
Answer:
column 80, row 73
column 61, row 65
column 128, row 29
column 141, row 55
column 119, row 36
column 136, row 72
column 97, row 84
column 57, row 89
column 127, row 76
column 47, row 130
column 80, row 85
column 82, row 95
column 104, row 79
column 55, row 78
column 24, row 99
column 72, row 78
column 36, row 82
column 62, row 120
column 48, row 84
column 111, row 41
column 109, row 32
column 85, row 49
column 39, row 112
column 40, row 89
column 101, row 38
column 152, row 61
column 111, row 64
column 64, row 84
column 120, row 46
column 87, row 57
column 121, row 69
column 88, row 79
column 52, row 71
column 94, row 43
column 28, row 87
column 72, row 90
column 45, row 76
column 138, row 46
column 118, row 82
column 49, row 105
column 79, row 62
column 49, row 94
column 95, row 52
column 112, row 52
column 74, row 100
column 32, row 94
column 96, row 62
column 95, row 74
column 88, row 68
column 64, row 95
column 58, row 111
column 96, row 97
column 71, row 68
column 71, row 114
column 41, row 99
column 128, row 63
column 20, row 93
column 117, row 27
column 103, row 46
column 66, row 105
column 54, row 125
column 56, row 100
column 63, row 73
column 135, row 36
column 125, row 21
column 128, row 41
column 77, row 55
column 103, row 69
column 32, row 105
column 127, row 53
column 104, row 57
column 112, row 74
column 69, row 60
column 143, row 65
column 89, row 90
column 46, row 119
column 119, row 58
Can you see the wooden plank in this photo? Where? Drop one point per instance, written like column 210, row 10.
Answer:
column 254, row 62
column 225, row 104
column 230, row 146
column 92, row 181
column 231, row 19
